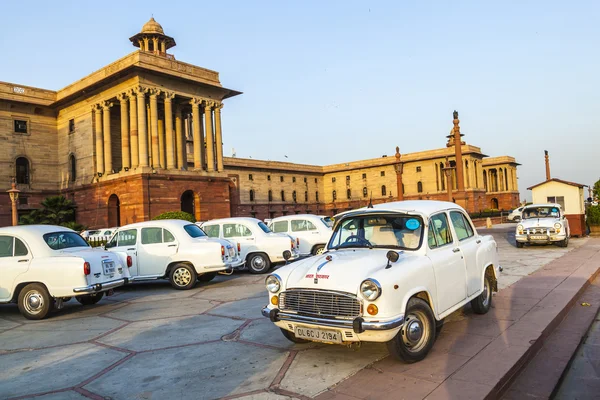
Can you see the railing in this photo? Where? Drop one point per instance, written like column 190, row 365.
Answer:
column 97, row 242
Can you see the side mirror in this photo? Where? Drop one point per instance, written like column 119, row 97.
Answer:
column 392, row 257
column 287, row 255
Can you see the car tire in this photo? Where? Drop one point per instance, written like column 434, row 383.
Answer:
column 89, row 299
column 183, row 277
column 482, row 303
column 291, row 336
column 564, row 243
column 417, row 335
column 520, row 245
column 318, row 249
column 258, row 263
column 209, row 276
column 35, row 302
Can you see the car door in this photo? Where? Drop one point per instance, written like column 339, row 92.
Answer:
column 156, row 247
column 448, row 263
column 125, row 242
column 468, row 244
column 241, row 234
column 15, row 259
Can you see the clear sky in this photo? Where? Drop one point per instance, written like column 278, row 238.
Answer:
column 334, row 81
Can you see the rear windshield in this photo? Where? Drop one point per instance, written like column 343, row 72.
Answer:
column 64, row 240
column 264, row 227
column 327, row 221
column 194, row 231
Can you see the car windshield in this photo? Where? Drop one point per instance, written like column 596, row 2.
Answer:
column 64, row 240
column 541, row 212
column 264, row 227
column 194, row 231
column 379, row 231
column 327, row 221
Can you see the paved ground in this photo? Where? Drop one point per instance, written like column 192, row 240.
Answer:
column 152, row 342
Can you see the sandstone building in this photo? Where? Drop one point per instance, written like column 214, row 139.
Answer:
column 143, row 135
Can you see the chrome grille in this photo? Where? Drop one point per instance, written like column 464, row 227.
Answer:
column 320, row 303
column 533, row 231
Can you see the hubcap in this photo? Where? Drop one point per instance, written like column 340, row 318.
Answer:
column 34, row 302
column 258, row 263
column 182, row 276
column 415, row 331
column 321, row 250
column 486, row 293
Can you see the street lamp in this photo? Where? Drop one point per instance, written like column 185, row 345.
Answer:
column 13, row 193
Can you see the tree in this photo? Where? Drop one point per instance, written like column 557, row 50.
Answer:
column 56, row 210
column 176, row 215
column 596, row 189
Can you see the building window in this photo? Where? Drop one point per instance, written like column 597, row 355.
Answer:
column 365, row 193
column 305, row 196
column 21, row 126
column 72, row 167
column 334, row 195
column 382, row 173
column 71, row 125
column 294, row 196
column 251, row 195
column 560, row 200
column 420, row 187
column 268, row 177
column 293, row 179
column 282, row 195
column 364, row 176
column 316, row 196
column 315, row 180
column 250, row 177
column 348, row 194
column 270, row 195
column 347, row 178
column 418, row 169
column 22, row 170
column 333, row 180
column 281, row 178
column 383, row 190
column 305, row 179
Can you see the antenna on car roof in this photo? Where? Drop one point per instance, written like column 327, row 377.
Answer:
column 370, row 200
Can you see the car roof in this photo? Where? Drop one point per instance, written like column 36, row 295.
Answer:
column 543, row 205
column 296, row 216
column 163, row 223
column 33, row 229
column 232, row 219
column 425, row 207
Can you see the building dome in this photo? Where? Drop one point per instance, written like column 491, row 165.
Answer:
column 152, row 27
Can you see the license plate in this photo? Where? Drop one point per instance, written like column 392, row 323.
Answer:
column 109, row 267
column 538, row 237
column 318, row 335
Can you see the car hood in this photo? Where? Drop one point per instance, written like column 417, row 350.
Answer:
column 539, row 222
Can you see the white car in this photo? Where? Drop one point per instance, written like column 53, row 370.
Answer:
column 45, row 265
column 99, row 234
column 543, row 224
column 259, row 247
column 391, row 274
column 310, row 231
column 515, row 215
column 173, row 249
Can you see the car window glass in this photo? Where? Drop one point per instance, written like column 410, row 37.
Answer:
column 264, row 228
column 168, row 236
column 441, row 230
column 127, row 238
column 194, row 231
column 111, row 243
column 310, row 226
column 461, row 227
column 235, row 230
column 64, row 240
column 280, row 226
column 211, row 230
column 6, row 246
column 20, row 248
column 299, row 225
column 151, row 235
column 431, row 237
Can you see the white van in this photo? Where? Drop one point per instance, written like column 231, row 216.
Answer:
column 311, row 232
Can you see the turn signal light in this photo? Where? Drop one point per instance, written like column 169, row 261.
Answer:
column 86, row 268
column 129, row 261
column 239, row 248
column 292, row 243
column 275, row 300
column 372, row 309
column 298, row 242
column 222, row 250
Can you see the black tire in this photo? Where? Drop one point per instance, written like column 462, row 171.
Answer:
column 291, row 336
column 318, row 249
column 258, row 263
column 482, row 303
column 35, row 301
column 89, row 299
column 182, row 277
column 520, row 245
column 419, row 317
column 564, row 243
column 209, row 276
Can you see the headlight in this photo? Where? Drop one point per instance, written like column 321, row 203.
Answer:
column 370, row 289
column 273, row 283
column 557, row 225
column 520, row 228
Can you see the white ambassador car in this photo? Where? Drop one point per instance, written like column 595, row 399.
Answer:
column 173, row 249
column 391, row 274
column 543, row 224
column 44, row 265
column 310, row 231
column 259, row 247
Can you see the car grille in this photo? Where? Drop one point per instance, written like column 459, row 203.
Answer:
column 543, row 231
column 320, row 303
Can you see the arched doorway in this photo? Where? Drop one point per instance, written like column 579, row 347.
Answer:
column 494, row 203
column 187, row 202
column 114, row 211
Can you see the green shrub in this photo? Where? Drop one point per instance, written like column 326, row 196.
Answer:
column 593, row 215
column 176, row 215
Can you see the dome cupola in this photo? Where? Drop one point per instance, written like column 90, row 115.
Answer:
column 152, row 39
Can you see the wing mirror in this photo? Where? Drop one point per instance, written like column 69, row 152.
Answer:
column 392, row 257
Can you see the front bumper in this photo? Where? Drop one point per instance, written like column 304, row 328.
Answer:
column 358, row 325
column 101, row 287
column 540, row 238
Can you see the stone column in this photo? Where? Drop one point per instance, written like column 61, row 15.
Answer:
column 142, row 131
column 99, row 138
column 133, row 129
column 154, row 127
column 170, row 146
column 398, row 167
column 180, row 139
column 219, row 136
column 161, row 142
column 198, row 139
column 155, row 47
column 107, row 138
column 460, row 180
column 210, row 141
column 125, row 153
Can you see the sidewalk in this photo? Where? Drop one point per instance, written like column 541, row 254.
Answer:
column 477, row 357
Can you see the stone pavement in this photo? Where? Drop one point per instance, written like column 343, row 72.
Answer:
column 150, row 341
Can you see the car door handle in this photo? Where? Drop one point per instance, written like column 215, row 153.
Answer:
column 172, row 245
column 132, row 249
column 23, row 260
column 455, row 250
column 478, row 241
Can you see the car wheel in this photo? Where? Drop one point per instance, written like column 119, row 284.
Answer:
column 417, row 334
column 258, row 263
column 482, row 303
column 517, row 219
column 565, row 242
column 520, row 245
column 35, row 301
column 318, row 249
column 207, row 277
column 182, row 277
column 291, row 336
column 89, row 299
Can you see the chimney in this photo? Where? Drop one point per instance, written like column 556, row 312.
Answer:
column 547, row 165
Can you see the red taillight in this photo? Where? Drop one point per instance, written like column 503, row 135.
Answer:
column 298, row 242
column 222, row 250
column 239, row 248
column 292, row 242
column 86, row 268
column 129, row 261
